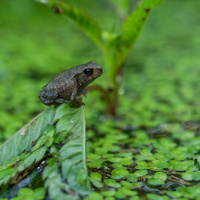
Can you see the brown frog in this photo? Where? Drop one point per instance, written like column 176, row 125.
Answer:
column 66, row 86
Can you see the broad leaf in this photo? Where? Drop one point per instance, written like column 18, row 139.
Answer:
column 84, row 21
column 22, row 140
column 69, row 160
column 54, row 183
column 122, row 6
column 130, row 31
column 72, row 155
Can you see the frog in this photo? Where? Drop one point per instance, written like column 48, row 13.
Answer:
column 68, row 85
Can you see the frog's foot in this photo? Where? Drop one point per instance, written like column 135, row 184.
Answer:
column 84, row 93
column 76, row 103
column 60, row 101
column 73, row 104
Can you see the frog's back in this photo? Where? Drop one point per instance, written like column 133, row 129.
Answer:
column 64, row 77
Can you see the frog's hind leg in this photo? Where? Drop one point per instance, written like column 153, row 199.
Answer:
column 46, row 101
column 49, row 94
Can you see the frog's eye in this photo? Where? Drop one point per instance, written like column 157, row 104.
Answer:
column 88, row 71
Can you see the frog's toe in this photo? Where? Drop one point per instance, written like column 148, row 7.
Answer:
column 84, row 93
column 60, row 101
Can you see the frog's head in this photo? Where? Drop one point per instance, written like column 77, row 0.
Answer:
column 89, row 72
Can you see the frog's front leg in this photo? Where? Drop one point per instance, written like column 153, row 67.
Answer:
column 75, row 101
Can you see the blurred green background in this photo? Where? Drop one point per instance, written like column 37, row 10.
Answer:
column 161, row 78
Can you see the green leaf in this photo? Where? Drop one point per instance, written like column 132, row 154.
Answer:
column 96, row 175
column 196, row 176
column 112, row 183
column 121, row 6
column 130, row 31
column 53, row 151
column 127, row 184
column 117, row 165
column 34, row 157
column 95, row 196
column 140, row 173
column 108, row 193
column 39, row 193
column 160, row 163
column 188, row 176
column 6, row 172
column 72, row 155
column 21, row 140
column 160, row 175
column 126, row 191
column 157, row 197
column 119, row 173
column 131, row 178
column 96, row 182
column 95, row 163
column 81, row 175
column 84, row 21
column 154, row 181
column 24, row 192
column 133, row 24
column 57, row 188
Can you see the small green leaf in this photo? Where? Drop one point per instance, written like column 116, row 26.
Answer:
column 141, row 164
column 95, row 163
column 127, row 184
column 160, row 164
column 54, row 182
column 117, row 165
column 81, row 175
column 126, row 191
column 96, row 183
column 108, row 193
column 131, row 178
column 96, row 175
column 156, row 181
column 140, row 173
column 126, row 161
column 134, row 198
column 112, row 183
column 53, row 150
column 160, row 175
column 157, row 197
column 119, row 173
column 35, row 156
column 96, row 196
column 40, row 142
column 114, row 159
column 93, row 156
column 188, row 176
column 6, row 172
column 124, row 154
column 25, row 192
column 174, row 194
column 39, row 193
column 196, row 176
